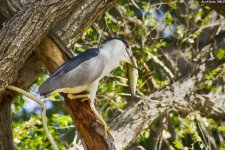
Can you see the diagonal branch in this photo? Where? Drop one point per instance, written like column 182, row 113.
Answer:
column 180, row 97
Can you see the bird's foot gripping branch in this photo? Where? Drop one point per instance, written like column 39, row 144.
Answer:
column 87, row 97
column 93, row 134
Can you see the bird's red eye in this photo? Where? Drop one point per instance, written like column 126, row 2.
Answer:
column 127, row 45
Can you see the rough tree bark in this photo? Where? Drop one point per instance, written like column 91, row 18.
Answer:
column 26, row 76
column 88, row 9
column 5, row 129
column 25, row 31
column 180, row 98
column 16, row 43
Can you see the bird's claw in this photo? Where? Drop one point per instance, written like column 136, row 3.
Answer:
column 97, row 101
column 99, row 119
column 105, row 126
column 85, row 99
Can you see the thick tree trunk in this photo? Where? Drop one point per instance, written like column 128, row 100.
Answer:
column 26, row 76
column 88, row 9
column 6, row 142
column 24, row 31
column 18, row 37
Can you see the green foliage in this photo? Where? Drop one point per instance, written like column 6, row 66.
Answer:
column 220, row 53
column 211, row 83
column 41, row 79
column 178, row 144
column 221, row 128
column 31, row 135
column 145, row 135
column 168, row 19
column 27, row 134
column 17, row 104
column 62, row 120
column 212, row 75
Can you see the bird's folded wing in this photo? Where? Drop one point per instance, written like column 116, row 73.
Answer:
column 83, row 74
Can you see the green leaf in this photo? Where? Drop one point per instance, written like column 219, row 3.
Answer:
column 178, row 144
column 168, row 19
column 220, row 53
column 221, row 148
column 41, row 79
column 222, row 128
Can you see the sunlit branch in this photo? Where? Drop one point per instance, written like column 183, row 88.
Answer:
column 43, row 112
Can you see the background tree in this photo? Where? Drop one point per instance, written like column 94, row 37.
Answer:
column 181, row 88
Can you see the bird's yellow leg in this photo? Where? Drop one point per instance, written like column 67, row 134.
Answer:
column 97, row 101
column 99, row 118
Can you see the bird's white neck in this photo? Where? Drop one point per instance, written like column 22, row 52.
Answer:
column 113, row 55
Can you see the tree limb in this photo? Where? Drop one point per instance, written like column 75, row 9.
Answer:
column 72, row 28
column 43, row 112
column 180, row 98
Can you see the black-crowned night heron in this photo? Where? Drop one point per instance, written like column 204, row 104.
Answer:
column 84, row 71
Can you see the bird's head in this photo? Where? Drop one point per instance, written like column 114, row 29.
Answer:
column 119, row 48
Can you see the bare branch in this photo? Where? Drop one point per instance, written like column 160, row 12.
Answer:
column 179, row 98
column 43, row 112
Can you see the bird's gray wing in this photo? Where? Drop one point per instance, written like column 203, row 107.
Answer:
column 73, row 63
column 83, row 74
